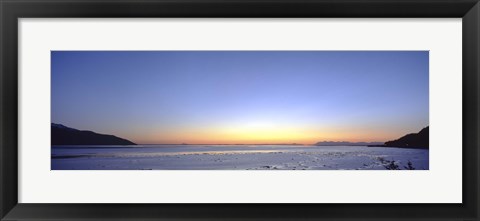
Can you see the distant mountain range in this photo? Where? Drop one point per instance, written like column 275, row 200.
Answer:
column 346, row 143
column 414, row 140
column 62, row 135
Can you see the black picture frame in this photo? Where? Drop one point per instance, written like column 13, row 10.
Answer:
column 12, row 10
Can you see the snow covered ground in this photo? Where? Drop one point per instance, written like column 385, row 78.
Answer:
column 236, row 157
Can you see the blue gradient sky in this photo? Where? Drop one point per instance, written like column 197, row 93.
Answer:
column 242, row 96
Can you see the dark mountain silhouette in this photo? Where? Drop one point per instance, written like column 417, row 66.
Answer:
column 418, row 140
column 62, row 135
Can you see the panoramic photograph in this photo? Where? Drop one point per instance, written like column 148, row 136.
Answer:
column 239, row 110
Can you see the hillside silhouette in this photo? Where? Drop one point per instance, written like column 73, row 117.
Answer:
column 413, row 140
column 62, row 135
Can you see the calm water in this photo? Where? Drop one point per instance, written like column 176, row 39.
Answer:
column 234, row 157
